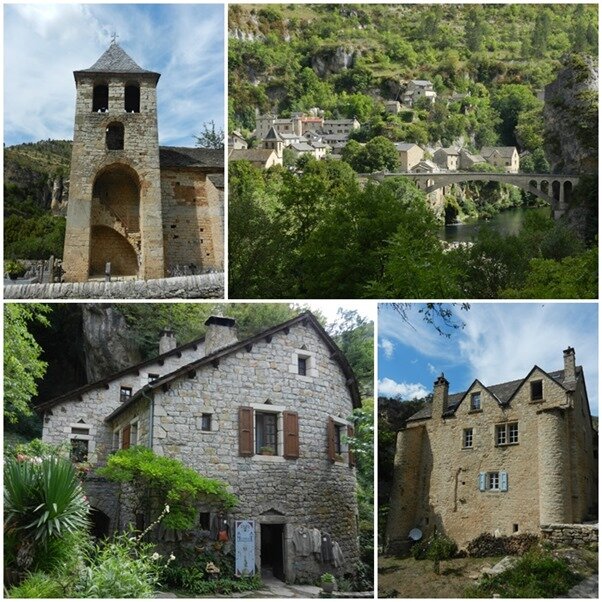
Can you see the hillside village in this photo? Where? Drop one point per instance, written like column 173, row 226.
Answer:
column 311, row 134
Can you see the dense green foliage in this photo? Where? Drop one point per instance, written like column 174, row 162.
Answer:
column 22, row 363
column 536, row 575
column 494, row 58
column 176, row 485
column 30, row 232
column 194, row 581
column 319, row 234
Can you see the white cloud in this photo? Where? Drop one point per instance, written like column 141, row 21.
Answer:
column 387, row 387
column 45, row 43
column 434, row 371
column 388, row 347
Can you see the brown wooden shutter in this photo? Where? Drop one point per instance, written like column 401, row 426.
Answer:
column 290, row 422
column 125, row 437
column 245, row 431
column 331, row 439
column 350, row 433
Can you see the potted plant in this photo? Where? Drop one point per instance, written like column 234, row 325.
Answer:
column 328, row 582
column 266, row 451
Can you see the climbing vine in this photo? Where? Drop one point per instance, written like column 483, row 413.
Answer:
column 173, row 483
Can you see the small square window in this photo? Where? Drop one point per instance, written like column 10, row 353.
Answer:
column 467, row 438
column 537, row 390
column 205, row 521
column 206, row 422
column 125, row 394
column 302, row 366
column 493, row 480
column 475, row 401
column 152, row 377
column 515, row 528
column 79, row 450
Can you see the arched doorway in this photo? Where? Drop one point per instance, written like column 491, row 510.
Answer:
column 107, row 245
column 117, row 188
column 100, row 523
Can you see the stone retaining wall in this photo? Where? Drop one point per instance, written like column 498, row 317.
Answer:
column 570, row 535
column 203, row 286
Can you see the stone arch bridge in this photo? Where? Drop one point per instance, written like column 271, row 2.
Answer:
column 555, row 189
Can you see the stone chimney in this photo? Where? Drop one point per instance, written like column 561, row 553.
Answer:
column 569, row 365
column 167, row 341
column 440, row 396
column 221, row 332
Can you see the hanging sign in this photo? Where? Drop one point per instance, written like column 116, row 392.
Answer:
column 245, row 548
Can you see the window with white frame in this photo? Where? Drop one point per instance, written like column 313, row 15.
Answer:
column 506, row 434
column 493, row 481
column 125, row 394
column 80, row 442
column 303, row 363
column 467, row 437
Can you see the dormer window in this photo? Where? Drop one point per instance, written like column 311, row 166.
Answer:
column 537, row 390
column 132, row 98
column 100, row 99
column 475, row 402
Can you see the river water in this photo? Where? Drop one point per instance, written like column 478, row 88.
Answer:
column 508, row 223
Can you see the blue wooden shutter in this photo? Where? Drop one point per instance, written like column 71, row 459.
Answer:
column 482, row 481
column 503, row 481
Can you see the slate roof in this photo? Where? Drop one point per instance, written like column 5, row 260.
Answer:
column 503, row 392
column 75, row 393
column 307, row 317
column 404, row 146
column 302, row 147
column 272, row 134
column 254, row 155
column 116, row 60
column 217, row 179
column 180, row 156
column 422, row 82
column 504, row 151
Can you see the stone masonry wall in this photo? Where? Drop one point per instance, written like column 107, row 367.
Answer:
column 541, row 468
column 98, row 403
column 570, row 535
column 192, row 220
column 309, row 491
column 90, row 157
column 202, row 286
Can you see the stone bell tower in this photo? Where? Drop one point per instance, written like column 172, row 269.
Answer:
column 114, row 213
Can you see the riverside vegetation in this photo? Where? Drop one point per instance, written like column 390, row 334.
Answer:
column 313, row 231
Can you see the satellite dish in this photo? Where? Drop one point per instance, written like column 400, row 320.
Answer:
column 415, row 535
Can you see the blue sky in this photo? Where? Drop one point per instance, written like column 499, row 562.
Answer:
column 499, row 342
column 45, row 43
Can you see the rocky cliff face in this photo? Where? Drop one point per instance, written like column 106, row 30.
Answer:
column 332, row 60
column 571, row 117
column 108, row 345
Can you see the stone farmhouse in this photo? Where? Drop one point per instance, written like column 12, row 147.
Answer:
column 268, row 415
column 263, row 158
column 410, row 155
column 416, row 89
column 501, row 459
column 506, row 157
column 149, row 211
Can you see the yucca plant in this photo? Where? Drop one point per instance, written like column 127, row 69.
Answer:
column 42, row 501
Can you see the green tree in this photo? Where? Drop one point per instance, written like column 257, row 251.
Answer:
column 510, row 100
column 541, row 32
column 379, row 154
column 210, row 137
column 475, row 29
column 22, row 363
